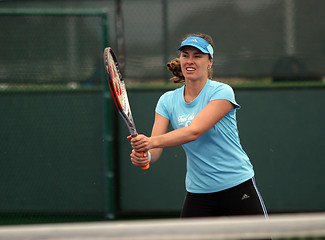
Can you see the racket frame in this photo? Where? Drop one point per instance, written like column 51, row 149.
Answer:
column 125, row 113
column 116, row 72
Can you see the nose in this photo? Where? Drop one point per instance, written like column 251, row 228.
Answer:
column 190, row 60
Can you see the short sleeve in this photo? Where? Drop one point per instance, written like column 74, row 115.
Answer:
column 224, row 91
column 162, row 105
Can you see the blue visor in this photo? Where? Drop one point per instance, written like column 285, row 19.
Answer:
column 199, row 43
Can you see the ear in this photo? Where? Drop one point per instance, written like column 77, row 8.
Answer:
column 210, row 63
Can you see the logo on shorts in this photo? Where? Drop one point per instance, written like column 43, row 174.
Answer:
column 245, row 196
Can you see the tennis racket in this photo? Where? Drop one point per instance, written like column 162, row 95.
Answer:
column 118, row 90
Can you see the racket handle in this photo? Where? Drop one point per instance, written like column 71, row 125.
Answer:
column 147, row 166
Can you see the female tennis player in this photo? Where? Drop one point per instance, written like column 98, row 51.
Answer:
column 220, row 177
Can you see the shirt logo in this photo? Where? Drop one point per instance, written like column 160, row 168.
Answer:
column 185, row 120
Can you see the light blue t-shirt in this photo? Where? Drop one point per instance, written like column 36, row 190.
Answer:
column 216, row 160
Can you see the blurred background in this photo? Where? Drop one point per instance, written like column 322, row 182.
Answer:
column 63, row 151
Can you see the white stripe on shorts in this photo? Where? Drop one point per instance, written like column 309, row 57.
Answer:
column 260, row 198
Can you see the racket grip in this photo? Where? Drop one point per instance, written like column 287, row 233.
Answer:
column 144, row 167
column 147, row 166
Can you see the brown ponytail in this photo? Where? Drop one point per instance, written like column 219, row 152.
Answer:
column 175, row 67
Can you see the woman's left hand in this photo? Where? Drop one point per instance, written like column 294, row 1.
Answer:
column 139, row 159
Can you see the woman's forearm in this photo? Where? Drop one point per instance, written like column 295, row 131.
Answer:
column 175, row 138
column 155, row 154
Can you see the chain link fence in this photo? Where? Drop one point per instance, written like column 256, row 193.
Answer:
column 51, row 46
column 252, row 38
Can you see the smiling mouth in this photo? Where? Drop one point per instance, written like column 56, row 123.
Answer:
column 190, row 69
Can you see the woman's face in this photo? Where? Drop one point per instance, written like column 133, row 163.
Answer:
column 194, row 63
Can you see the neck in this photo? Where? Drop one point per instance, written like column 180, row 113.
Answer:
column 193, row 89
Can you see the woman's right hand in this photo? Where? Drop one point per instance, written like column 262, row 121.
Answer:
column 139, row 159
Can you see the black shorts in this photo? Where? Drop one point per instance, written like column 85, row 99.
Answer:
column 243, row 199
